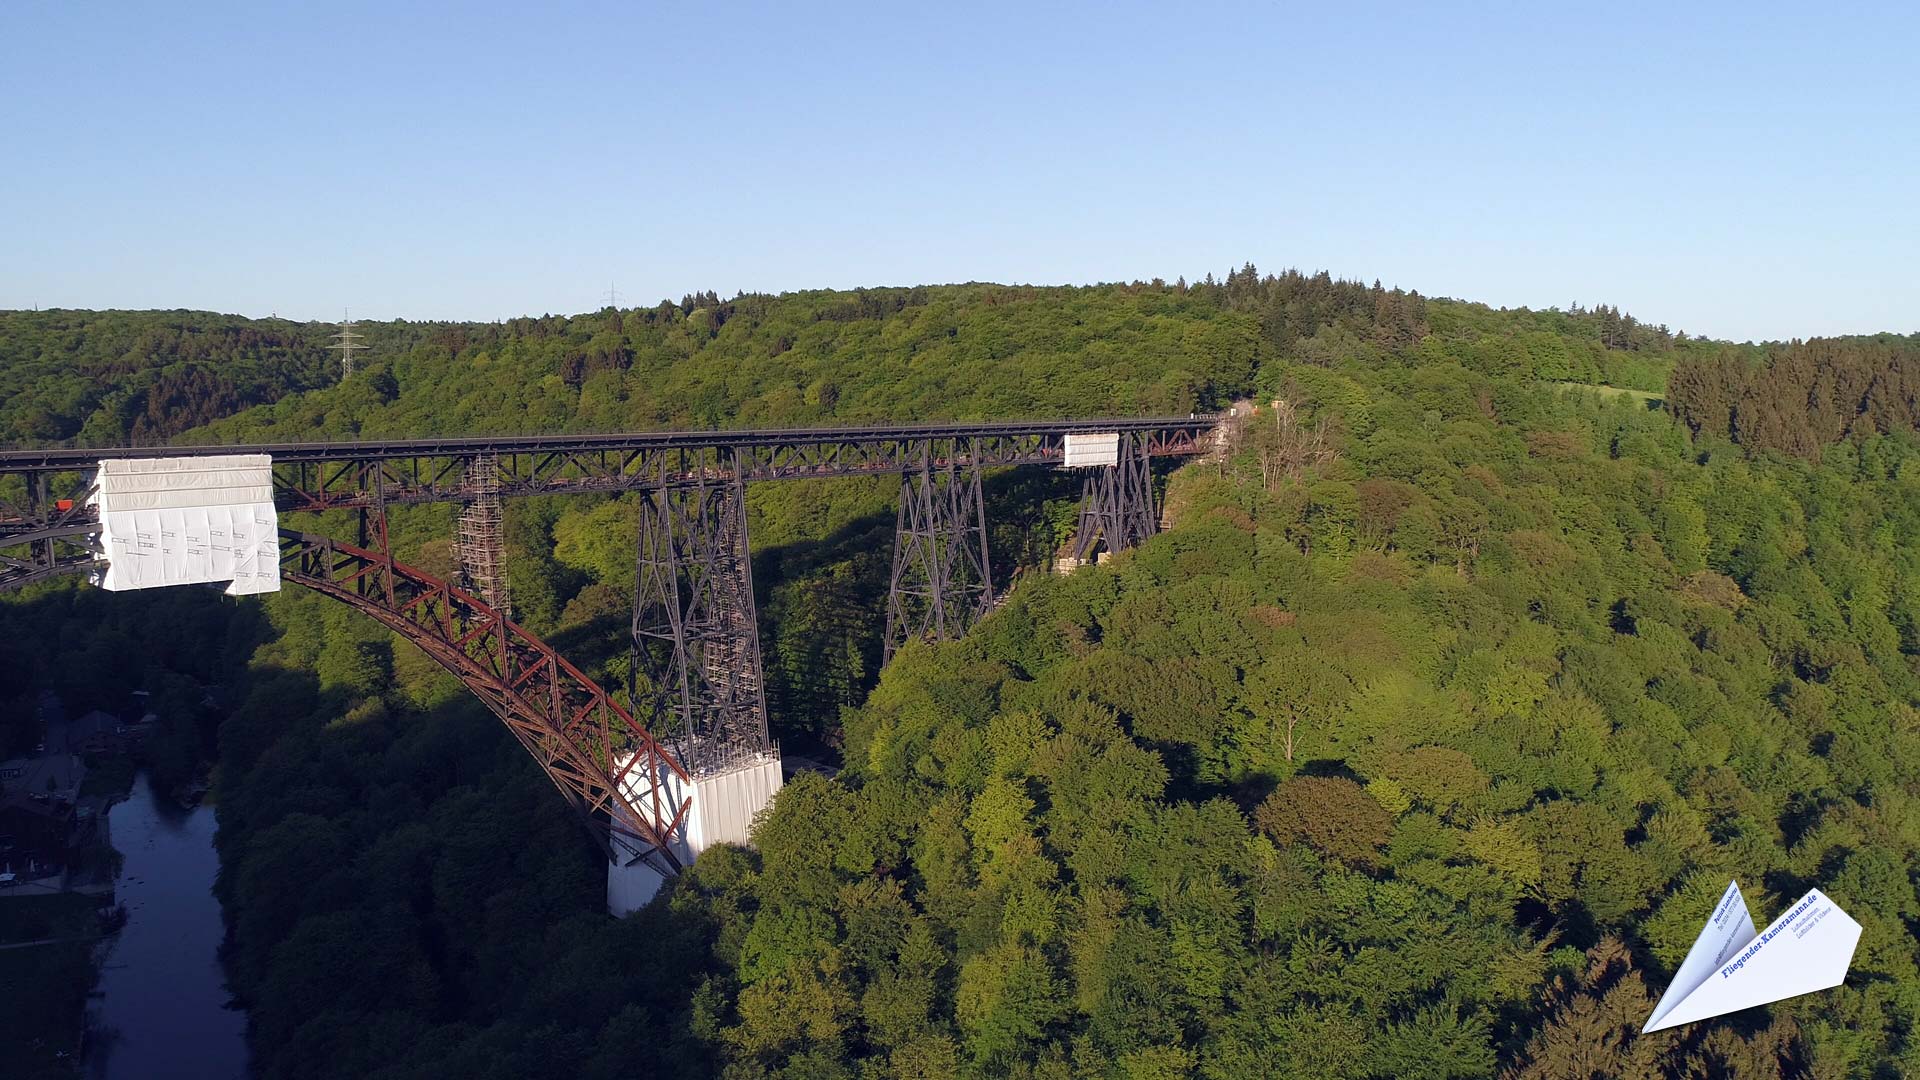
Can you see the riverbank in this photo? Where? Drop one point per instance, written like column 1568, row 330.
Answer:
column 50, row 928
column 46, row 969
column 116, row 974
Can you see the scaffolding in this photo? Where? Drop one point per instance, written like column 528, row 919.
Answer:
column 478, row 538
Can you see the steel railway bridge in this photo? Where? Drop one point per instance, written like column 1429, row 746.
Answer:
column 634, row 781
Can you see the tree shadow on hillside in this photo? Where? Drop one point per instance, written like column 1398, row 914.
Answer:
column 823, row 602
column 412, row 862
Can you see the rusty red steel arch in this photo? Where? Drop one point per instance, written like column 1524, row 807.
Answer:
column 607, row 766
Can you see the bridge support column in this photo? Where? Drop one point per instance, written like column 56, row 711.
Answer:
column 479, row 538
column 696, row 644
column 1116, row 503
column 941, row 581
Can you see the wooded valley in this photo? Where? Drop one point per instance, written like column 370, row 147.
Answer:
column 1418, row 746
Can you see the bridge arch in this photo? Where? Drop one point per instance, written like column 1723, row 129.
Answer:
column 620, row 780
column 629, row 790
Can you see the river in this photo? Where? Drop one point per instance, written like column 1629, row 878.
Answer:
column 162, row 1011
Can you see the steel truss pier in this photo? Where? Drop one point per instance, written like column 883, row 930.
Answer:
column 1116, row 503
column 696, row 635
column 942, row 580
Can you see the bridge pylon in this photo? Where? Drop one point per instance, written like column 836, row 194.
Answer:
column 942, row 581
column 696, row 642
column 1117, row 509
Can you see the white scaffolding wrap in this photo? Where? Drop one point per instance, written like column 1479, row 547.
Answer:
column 1092, row 451
column 189, row 521
column 722, row 812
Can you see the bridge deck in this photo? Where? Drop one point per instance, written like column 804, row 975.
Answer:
column 20, row 460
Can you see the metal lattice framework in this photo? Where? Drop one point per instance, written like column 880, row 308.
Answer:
column 42, row 536
column 38, row 554
column 694, row 626
column 1116, row 504
column 342, row 475
column 942, row 580
column 608, row 767
column 696, row 633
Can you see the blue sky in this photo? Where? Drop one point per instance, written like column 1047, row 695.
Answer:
column 1736, row 170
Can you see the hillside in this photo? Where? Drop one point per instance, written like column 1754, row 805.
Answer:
column 1420, row 758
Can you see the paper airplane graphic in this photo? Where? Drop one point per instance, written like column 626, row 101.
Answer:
column 1733, row 967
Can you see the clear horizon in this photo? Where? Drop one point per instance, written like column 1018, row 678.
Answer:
column 1732, row 171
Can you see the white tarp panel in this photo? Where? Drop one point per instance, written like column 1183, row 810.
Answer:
column 723, row 803
column 1092, row 451
column 724, row 806
column 728, row 802
column 189, row 521
column 631, row 886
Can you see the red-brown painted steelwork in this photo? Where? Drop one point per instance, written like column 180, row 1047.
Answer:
column 694, row 624
column 567, row 722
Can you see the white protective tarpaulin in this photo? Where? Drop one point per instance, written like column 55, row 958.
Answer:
column 721, row 812
column 189, row 521
column 1092, row 451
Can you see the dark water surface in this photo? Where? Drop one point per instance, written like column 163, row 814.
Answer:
column 163, row 1013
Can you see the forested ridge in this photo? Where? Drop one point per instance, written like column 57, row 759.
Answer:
column 1419, row 746
column 1805, row 395
column 110, row 378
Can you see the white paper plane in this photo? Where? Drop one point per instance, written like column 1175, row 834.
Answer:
column 1730, row 928
column 1731, row 967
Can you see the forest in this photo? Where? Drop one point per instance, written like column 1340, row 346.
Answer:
column 1804, row 396
column 1418, row 745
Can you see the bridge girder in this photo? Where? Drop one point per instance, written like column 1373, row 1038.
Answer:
column 695, row 626
column 348, row 475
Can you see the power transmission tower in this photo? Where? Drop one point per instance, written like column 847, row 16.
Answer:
column 346, row 343
column 613, row 298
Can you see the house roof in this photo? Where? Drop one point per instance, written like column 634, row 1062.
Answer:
column 57, row 775
column 63, row 737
